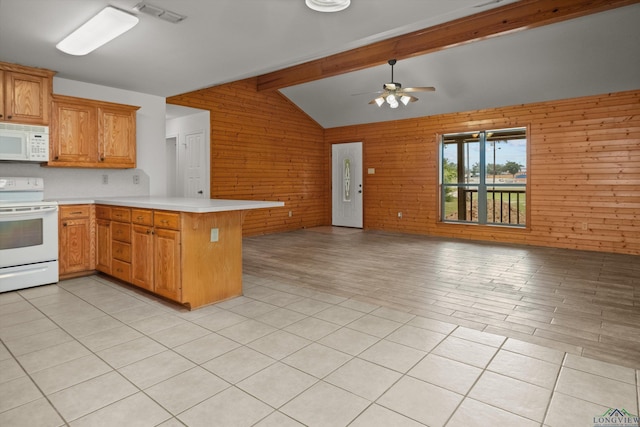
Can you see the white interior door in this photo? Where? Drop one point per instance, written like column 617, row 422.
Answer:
column 194, row 165
column 346, row 172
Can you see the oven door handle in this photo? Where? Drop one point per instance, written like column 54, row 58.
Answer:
column 30, row 211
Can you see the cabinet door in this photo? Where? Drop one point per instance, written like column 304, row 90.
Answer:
column 116, row 137
column 166, row 264
column 26, row 98
column 73, row 133
column 75, row 240
column 142, row 258
column 103, row 240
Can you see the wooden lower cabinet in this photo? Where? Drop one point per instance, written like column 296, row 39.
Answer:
column 173, row 254
column 76, row 243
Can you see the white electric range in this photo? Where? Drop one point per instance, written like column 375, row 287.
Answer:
column 28, row 234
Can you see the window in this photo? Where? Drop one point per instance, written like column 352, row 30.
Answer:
column 484, row 177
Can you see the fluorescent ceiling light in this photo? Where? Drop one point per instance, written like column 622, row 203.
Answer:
column 99, row 30
column 328, row 5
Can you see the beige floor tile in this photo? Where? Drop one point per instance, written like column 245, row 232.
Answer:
column 179, row 334
column 363, row 378
column 187, row 389
column 70, row 373
column 37, row 413
column 91, row 326
column 279, row 344
column 472, row 413
column 362, row 306
column 157, row 323
column 171, row 422
column 325, row 405
column 27, row 344
column 596, row 389
column 138, row 407
column 339, row 315
column 206, row 348
column 317, row 360
column 16, row 392
column 524, row 368
column 432, row 325
column 308, row 306
column 247, row 331
column 533, row 350
column 478, row 336
column 446, row 373
column 156, row 368
column 465, row 351
column 42, row 324
column 603, row 369
column 277, row 384
column 89, row 396
column 253, row 308
column 130, row 352
column 23, row 316
column 219, row 320
column 52, row 356
column 109, row 338
column 524, row 399
column 567, row 411
column 421, row 401
column 231, row 407
column 392, row 355
column 378, row 416
column 311, row 328
column 374, row 325
column 418, row 338
column 135, row 314
column 238, row 364
column 392, row 314
column 10, row 370
column 280, row 318
column 348, row 341
column 278, row 419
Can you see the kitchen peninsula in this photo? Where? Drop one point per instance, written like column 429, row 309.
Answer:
column 186, row 250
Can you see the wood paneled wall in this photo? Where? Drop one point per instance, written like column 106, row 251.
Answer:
column 583, row 171
column 264, row 148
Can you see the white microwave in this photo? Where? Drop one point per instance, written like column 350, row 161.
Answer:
column 24, row 143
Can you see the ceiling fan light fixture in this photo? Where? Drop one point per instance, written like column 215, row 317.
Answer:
column 108, row 24
column 405, row 99
column 328, row 5
column 391, row 99
column 379, row 101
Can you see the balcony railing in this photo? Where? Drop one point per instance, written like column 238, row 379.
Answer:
column 504, row 206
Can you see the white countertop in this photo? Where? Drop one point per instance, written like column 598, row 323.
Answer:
column 176, row 203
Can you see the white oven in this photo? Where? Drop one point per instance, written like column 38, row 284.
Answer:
column 28, row 235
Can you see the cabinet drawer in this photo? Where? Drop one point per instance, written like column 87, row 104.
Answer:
column 121, row 251
column 74, row 211
column 142, row 216
column 166, row 220
column 121, row 214
column 121, row 270
column 121, row 232
column 103, row 212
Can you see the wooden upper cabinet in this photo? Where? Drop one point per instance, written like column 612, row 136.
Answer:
column 25, row 94
column 93, row 134
column 76, row 137
column 116, row 131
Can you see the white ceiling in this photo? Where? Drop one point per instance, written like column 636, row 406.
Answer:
column 227, row 40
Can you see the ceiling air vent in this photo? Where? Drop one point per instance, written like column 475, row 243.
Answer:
column 158, row 12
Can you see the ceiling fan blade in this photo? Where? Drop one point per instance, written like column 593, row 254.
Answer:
column 366, row 93
column 419, row 89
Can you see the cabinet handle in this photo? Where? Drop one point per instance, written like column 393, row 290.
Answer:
column 139, row 217
column 9, row 117
column 148, row 231
column 56, row 158
column 102, row 159
column 64, row 224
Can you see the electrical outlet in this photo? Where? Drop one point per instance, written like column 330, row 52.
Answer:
column 214, row 235
column 399, row 214
column 105, row 179
column 136, row 179
column 290, row 214
column 585, row 226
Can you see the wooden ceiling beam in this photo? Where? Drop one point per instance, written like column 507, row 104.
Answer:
column 506, row 19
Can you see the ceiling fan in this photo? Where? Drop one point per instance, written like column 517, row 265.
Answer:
column 393, row 93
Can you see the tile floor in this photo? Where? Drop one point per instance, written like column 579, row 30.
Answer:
column 88, row 352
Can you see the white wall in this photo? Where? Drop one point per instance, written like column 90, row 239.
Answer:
column 64, row 183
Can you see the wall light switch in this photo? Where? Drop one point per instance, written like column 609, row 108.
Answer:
column 371, row 171
column 214, row 234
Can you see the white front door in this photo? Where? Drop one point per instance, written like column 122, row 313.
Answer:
column 346, row 172
column 194, row 165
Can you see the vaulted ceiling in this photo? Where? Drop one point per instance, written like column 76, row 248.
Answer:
column 226, row 40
